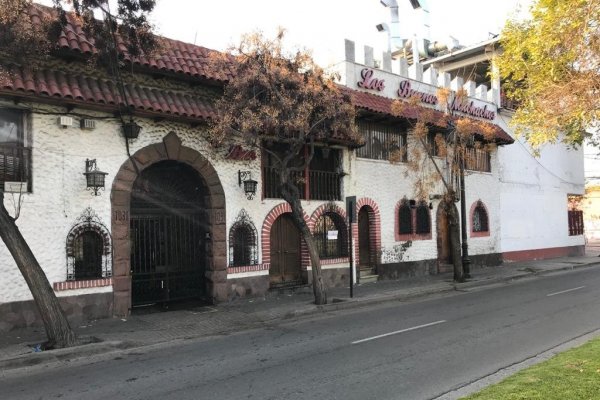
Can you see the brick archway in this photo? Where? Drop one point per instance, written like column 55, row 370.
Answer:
column 275, row 212
column 374, row 228
column 321, row 210
column 169, row 149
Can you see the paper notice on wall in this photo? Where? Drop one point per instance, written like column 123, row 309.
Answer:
column 332, row 235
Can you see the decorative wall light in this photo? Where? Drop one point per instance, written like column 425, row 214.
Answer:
column 131, row 130
column 95, row 178
column 245, row 177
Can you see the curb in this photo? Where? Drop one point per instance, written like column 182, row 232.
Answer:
column 45, row 357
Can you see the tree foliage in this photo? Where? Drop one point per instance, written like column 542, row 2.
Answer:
column 551, row 63
column 284, row 98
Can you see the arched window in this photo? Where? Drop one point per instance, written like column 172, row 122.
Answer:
column 243, row 246
column 331, row 236
column 423, row 219
column 88, row 249
column 88, row 255
column 480, row 218
column 405, row 219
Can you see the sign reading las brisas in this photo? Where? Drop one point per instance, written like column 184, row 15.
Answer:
column 370, row 82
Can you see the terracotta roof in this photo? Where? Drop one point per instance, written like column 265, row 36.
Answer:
column 49, row 85
column 177, row 57
column 383, row 105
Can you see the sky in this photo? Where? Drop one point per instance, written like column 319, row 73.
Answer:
column 322, row 25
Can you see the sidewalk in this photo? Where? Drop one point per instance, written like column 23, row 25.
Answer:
column 145, row 328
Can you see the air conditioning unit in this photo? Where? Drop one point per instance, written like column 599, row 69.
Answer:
column 15, row 187
column 65, row 122
column 87, row 123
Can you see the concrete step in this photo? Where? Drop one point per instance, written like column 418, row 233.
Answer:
column 365, row 271
column 443, row 268
column 368, row 278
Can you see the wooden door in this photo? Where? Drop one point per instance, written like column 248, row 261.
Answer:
column 364, row 238
column 443, row 237
column 285, row 251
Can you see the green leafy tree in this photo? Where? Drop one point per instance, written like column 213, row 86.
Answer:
column 551, row 66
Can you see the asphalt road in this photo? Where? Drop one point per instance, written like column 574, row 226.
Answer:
column 415, row 350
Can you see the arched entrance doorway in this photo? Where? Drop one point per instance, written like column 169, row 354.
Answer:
column 286, row 265
column 364, row 239
column 168, row 227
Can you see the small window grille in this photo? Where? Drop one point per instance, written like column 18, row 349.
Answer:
column 89, row 249
column 331, row 236
column 243, row 242
column 480, row 219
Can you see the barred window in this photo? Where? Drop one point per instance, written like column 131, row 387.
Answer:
column 243, row 246
column 15, row 158
column 331, row 236
column 382, row 141
column 404, row 219
column 480, row 219
column 89, row 247
column 423, row 219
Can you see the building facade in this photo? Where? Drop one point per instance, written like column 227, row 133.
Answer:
column 174, row 221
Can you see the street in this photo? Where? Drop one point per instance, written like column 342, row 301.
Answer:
column 415, row 350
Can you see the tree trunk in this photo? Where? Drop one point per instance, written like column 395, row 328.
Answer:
column 315, row 261
column 58, row 330
column 454, row 233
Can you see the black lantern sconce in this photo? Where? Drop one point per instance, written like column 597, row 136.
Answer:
column 131, row 130
column 245, row 177
column 95, row 178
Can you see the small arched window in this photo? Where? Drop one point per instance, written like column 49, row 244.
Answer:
column 480, row 218
column 88, row 249
column 331, row 236
column 405, row 219
column 423, row 220
column 243, row 242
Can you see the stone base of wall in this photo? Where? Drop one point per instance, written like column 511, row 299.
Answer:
column 250, row 286
column 486, row 260
column 542, row 254
column 335, row 277
column 79, row 309
column 406, row 269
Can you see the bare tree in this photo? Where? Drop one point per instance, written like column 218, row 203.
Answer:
column 285, row 99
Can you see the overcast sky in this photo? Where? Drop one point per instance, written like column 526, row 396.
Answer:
column 322, row 25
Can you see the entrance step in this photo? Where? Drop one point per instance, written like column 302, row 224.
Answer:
column 368, row 278
column 365, row 271
column 444, row 268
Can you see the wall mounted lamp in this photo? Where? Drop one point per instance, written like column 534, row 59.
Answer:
column 95, row 178
column 245, row 178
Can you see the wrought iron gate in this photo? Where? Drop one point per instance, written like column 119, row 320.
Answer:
column 168, row 229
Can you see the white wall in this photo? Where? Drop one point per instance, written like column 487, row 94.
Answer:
column 534, row 194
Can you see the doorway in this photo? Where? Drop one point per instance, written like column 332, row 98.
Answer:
column 364, row 239
column 286, row 265
column 168, row 228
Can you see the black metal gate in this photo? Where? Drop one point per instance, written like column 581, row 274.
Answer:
column 168, row 230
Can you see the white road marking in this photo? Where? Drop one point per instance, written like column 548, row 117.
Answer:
column 397, row 332
column 565, row 291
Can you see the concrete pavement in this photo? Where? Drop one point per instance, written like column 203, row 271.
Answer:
column 17, row 348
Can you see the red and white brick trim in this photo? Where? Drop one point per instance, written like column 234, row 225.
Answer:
column 374, row 228
column 275, row 213
column 90, row 283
